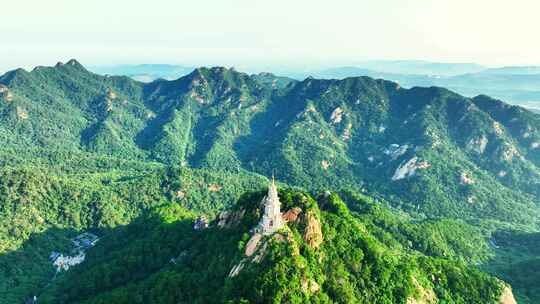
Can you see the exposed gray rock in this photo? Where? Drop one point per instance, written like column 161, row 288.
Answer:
column 466, row 179
column 236, row 269
column 478, row 144
column 408, row 169
column 336, row 116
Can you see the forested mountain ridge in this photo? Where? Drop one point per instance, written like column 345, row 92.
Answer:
column 87, row 152
column 448, row 154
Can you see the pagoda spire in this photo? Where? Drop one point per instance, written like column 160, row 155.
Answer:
column 271, row 220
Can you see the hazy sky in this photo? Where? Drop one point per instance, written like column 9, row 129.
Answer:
column 284, row 32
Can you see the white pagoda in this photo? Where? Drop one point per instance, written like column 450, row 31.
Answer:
column 271, row 220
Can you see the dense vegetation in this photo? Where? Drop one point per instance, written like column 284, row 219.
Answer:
column 439, row 175
column 351, row 265
column 314, row 134
column 517, row 261
column 41, row 211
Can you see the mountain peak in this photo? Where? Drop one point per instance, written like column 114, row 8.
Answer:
column 218, row 74
column 215, row 70
column 73, row 63
column 13, row 75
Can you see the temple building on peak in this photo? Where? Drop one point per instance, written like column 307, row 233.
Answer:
column 271, row 220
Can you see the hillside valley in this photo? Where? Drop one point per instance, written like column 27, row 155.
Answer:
column 420, row 195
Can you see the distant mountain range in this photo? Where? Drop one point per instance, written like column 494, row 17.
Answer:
column 518, row 85
column 144, row 72
column 420, row 67
column 515, row 84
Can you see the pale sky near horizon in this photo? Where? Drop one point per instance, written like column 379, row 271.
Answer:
column 256, row 32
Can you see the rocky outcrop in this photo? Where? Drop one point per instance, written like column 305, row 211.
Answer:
column 200, row 99
column 497, row 127
column 5, row 93
column 81, row 243
column 509, row 152
column 408, row 169
column 236, row 269
column 63, row 263
column 313, row 234
column 478, row 144
column 261, row 253
column 325, row 164
column 347, row 132
column 434, row 138
column 252, row 244
column 214, row 187
column 336, row 116
column 179, row 195
column 292, row 215
column 111, row 95
column 310, row 285
column 108, row 105
column 507, row 296
column 255, row 252
column 200, row 85
column 466, row 179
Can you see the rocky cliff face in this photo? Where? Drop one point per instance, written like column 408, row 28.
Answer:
column 312, row 233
